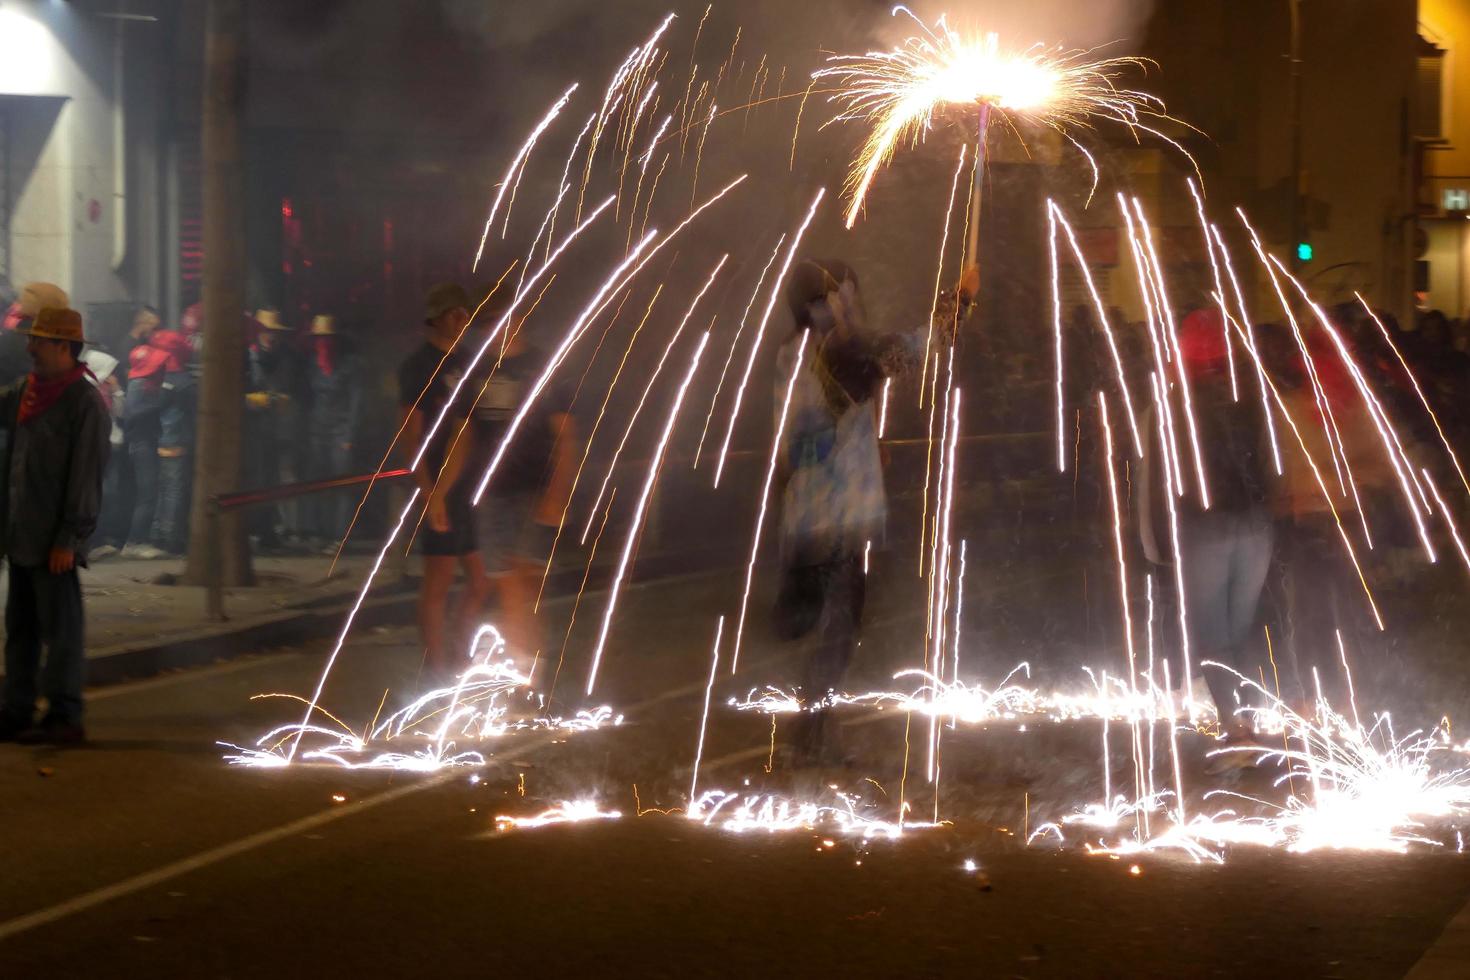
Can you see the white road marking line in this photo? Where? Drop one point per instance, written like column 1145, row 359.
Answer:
column 24, row 923
column 148, row 879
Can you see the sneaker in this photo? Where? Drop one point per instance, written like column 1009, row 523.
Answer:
column 53, row 733
column 101, row 551
column 143, row 552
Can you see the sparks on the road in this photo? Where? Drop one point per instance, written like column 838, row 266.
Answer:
column 573, row 811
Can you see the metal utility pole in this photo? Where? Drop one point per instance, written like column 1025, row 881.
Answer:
column 220, row 545
column 1295, row 202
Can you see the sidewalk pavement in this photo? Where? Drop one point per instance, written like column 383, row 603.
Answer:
column 140, row 623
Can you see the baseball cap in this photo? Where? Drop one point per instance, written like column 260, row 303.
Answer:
column 444, row 297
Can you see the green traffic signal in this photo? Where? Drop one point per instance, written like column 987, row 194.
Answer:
column 1304, row 252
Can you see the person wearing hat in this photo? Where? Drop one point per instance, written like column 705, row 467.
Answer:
column 33, row 298
column 427, row 383
column 335, row 375
column 1225, row 544
column 158, row 355
column 274, row 405
column 54, row 459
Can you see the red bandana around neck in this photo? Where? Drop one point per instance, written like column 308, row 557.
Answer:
column 41, row 394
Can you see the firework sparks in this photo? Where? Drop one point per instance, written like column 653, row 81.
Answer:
column 517, row 167
column 777, row 285
column 639, row 511
column 426, row 735
column 1370, row 790
column 709, row 687
column 760, row 521
column 576, row 811
column 846, row 816
column 899, row 92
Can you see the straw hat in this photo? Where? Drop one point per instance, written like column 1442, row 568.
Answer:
column 323, row 325
column 270, row 319
column 37, row 296
column 56, row 324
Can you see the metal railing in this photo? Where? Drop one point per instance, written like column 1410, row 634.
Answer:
column 239, row 500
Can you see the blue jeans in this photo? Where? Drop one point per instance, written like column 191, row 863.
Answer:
column 44, row 610
column 1226, row 558
column 142, row 438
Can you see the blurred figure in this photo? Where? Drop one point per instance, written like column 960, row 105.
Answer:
column 15, row 362
column 158, row 354
column 176, row 442
column 273, row 403
column 1322, row 590
column 335, row 380
column 426, row 388
column 1225, row 549
column 518, row 517
column 54, row 458
column 112, row 524
column 833, row 503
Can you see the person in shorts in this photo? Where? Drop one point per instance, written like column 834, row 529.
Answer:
column 426, row 383
column 523, row 502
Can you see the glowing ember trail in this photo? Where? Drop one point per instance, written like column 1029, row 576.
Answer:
column 714, row 663
column 760, row 520
column 517, row 165
column 777, row 285
column 653, row 470
column 647, row 388
column 577, row 811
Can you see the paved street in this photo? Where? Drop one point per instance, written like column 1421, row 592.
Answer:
column 147, row 853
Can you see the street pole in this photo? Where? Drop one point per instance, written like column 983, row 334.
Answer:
column 1295, row 202
column 218, row 550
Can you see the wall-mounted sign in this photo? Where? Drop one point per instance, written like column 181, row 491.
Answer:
column 1456, row 199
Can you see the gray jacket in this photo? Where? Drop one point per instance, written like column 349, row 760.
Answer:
column 53, row 465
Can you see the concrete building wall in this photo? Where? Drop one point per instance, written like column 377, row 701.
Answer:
column 83, row 173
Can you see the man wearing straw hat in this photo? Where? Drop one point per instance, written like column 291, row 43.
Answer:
column 56, row 452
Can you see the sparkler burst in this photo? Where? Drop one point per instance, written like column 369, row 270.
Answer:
column 899, row 92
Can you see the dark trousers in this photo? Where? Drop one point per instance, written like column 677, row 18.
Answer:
column 44, row 610
column 142, row 437
column 329, row 512
column 830, row 598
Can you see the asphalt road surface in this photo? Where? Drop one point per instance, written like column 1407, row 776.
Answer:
column 147, row 855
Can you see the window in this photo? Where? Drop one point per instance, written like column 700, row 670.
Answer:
column 1429, row 92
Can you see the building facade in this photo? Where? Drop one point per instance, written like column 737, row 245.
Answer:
column 81, row 180
column 1442, row 126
